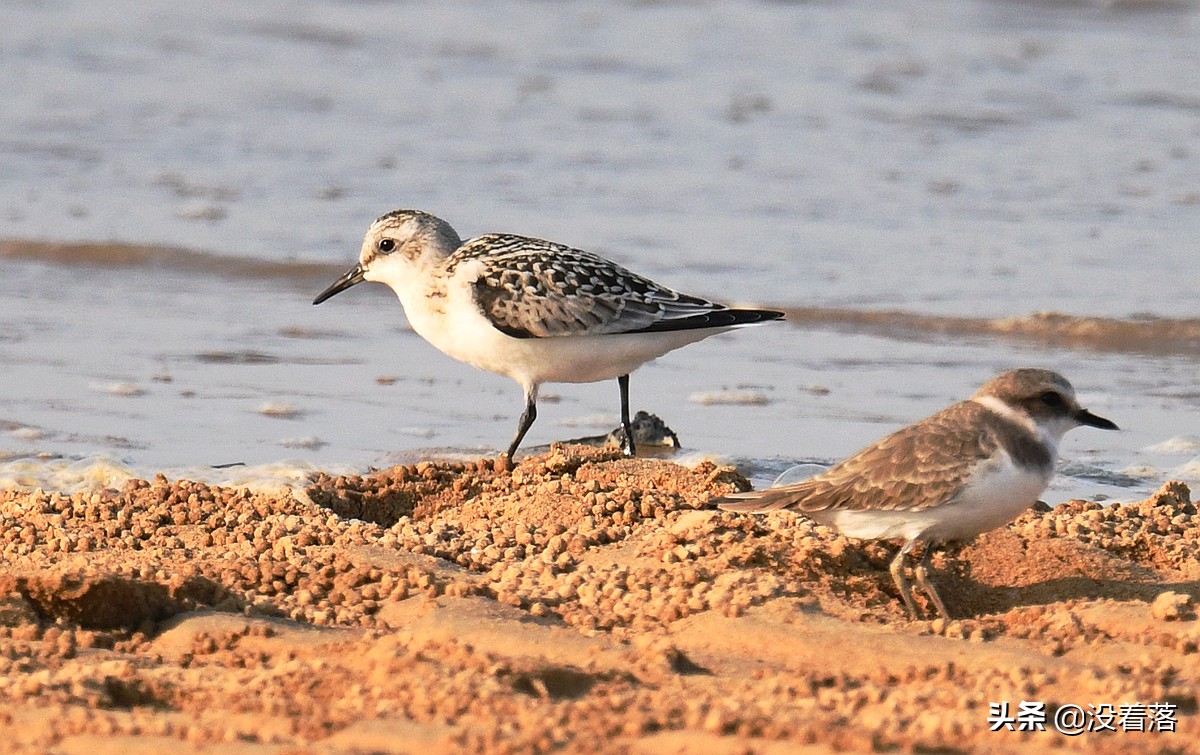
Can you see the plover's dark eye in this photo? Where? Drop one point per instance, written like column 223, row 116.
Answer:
column 387, row 245
column 1052, row 400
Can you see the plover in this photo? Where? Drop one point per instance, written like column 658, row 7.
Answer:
column 970, row 468
column 532, row 310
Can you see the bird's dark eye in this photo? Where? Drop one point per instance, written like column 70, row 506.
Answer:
column 387, row 245
column 1051, row 399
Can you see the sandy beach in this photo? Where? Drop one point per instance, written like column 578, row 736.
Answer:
column 584, row 603
column 933, row 192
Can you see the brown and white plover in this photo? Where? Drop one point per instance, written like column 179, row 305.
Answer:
column 970, row 468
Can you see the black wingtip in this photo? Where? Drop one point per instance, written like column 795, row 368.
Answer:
column 759, row 315
column 718, row 318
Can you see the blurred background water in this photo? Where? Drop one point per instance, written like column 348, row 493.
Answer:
column 178, row 180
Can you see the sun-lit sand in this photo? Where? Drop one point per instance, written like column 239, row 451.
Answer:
column 585, row 603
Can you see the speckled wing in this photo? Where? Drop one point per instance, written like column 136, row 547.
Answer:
column 530, row 288
column 917, row 467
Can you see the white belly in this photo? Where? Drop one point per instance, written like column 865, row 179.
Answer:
column 998, row 492
column 460, row 331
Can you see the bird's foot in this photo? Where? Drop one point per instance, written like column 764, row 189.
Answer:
column 921, row 572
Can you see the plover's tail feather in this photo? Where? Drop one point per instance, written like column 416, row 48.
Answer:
column 759, row 501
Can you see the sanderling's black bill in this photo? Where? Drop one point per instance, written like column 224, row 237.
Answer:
column 352, row 277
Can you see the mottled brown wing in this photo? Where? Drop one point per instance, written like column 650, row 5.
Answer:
column 920, row 466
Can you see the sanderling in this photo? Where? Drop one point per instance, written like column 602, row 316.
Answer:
column 532, row 310
column 970, row 468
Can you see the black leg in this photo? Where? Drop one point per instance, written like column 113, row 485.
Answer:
column 623, row 383
column 526, row 421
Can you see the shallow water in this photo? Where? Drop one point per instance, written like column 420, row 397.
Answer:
column 180, row 182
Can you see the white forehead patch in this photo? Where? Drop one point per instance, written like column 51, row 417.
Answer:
column 1004, row 410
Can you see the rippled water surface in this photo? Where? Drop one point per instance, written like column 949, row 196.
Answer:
column 178, row 180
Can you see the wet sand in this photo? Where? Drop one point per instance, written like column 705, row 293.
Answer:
column 586, row 603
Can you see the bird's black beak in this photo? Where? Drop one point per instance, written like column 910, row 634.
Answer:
column 1084, row 417
column 352, row 277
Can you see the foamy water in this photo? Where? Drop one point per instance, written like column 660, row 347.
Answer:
column 190, row 177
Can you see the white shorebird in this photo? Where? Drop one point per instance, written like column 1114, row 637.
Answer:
column 970, row 468
column 533, row 310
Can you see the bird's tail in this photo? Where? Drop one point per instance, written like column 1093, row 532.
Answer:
column 718, row 317
column 758, row 501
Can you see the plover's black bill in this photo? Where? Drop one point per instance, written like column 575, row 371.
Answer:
column 353, row 277
column 1084, row 417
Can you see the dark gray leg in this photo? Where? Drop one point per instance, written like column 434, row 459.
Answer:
column 897, row 570
column 526, row 421
column 623, row 384
column 921, row 572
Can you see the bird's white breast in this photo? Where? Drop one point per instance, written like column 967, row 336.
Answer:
column 445, row 313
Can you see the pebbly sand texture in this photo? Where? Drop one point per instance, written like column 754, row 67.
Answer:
column 584, row 603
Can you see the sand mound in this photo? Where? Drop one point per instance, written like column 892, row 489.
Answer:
column 585, row 602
